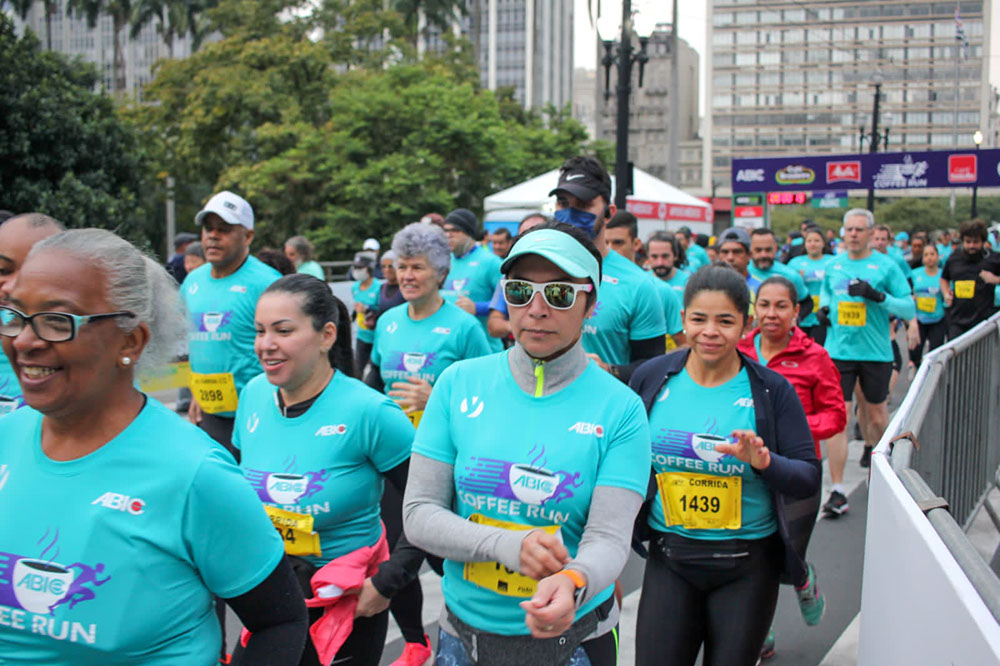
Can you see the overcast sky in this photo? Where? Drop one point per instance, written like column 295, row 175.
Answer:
column 691, row 20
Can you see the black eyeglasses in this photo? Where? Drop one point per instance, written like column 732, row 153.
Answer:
column 49, row 326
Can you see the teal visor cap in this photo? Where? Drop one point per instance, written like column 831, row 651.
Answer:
column 562, row 250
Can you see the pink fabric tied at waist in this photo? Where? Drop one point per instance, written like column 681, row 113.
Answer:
column 347, row 572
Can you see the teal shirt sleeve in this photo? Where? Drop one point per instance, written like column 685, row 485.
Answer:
column 647, row 315
column 392, row 434
column 376, row 356
column 623, row 464
column 899, row 298
column 476, row 342
column 802, row 291
column 433, row 438
column 671, row 309
column 229, row 538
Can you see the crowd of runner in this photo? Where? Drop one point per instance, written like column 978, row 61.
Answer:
column 518, row 415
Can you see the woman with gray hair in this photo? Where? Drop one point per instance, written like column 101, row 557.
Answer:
column 86, row 312
column 301, row 253
column 414, row 343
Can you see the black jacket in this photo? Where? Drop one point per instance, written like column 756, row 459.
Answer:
column 794, row 475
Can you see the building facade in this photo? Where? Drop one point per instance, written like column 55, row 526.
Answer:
column 797, row 77
column 71, row 36
column 526, row 45
column 649, row 111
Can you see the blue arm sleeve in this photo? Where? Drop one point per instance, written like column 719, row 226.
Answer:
column 899, row 298
column 482, row 308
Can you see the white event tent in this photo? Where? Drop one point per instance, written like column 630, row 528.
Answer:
column 657, row 204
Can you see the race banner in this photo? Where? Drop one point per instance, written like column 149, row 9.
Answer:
column 880, row 171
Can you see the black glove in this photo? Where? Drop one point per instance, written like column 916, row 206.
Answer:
column 865, row 290
column 823, row 316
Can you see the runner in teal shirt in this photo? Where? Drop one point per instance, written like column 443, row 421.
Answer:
column 628, row 308
column 475, row 271
column 416, row 341
column 812, row 268
column 516, row 455
column 365, row 293
column 927, row 292
column 687, row 421
column 764, row 264
column 10, row 389
column 671, row 312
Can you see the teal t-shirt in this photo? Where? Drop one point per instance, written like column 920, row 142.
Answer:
column 221, row 315
column 10, row 388
column 695, row 257
column 860, row 327
column 686, row 423
column 927, row 290
column 114, row 558
column 678, row 283
column 671, row 306
column 312, row 268
column 812, row 272
column 406, row 348
column 476, row 276
column 944, row 251
column 896, row 255
column 529, row 462
column 784, row 271
column 326, row 463
column 368, row 298
column 627, row 308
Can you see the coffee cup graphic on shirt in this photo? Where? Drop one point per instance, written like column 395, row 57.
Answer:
column 532, row 485
column 212, row 320
column 703, row 445
column 38, row 585
column 413, row 361
column 286, row 488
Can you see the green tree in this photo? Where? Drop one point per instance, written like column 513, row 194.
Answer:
column 174, row 19
column 66, row 152
column 22, row 7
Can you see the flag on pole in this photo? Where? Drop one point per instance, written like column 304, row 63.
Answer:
column 960, row 35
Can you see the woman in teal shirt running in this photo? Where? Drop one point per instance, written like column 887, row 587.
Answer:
column 812, row 267
column 121, row 521
column 317, row 445
column 524, row 475
column 927, row 294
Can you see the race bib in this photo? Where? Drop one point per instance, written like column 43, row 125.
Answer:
column 8, row 405
column 173, row 376
column 671, row 345
column 926, row 303
column 495, row 576
column 296, row 530
column 852, row 313
column 815, row 303
column 215, row 393
column 359, row 317
column 965, row 288
column 415, row 417
column 701, row 501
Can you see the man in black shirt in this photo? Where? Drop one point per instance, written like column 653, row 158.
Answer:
column 968, row 280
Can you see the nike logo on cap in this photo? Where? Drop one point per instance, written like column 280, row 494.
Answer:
column 574, row 176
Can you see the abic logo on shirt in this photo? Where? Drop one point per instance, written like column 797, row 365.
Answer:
column 119, row 502
column 40, row 585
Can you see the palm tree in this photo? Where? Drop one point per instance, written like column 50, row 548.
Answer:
column 120, row 12
column 438, row 13
column 22, row 7
column 176, row 18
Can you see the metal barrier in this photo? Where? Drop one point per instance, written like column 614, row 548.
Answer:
column 945, row 446
column 336, row 271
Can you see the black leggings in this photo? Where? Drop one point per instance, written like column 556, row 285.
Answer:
column 727, row 603
column 362, row 354
column 407, row 606
column 932, row 334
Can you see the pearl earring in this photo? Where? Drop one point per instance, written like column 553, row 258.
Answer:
column 126, row 361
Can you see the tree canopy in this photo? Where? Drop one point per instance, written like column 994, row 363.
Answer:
column 66, row 151
column 340, row 139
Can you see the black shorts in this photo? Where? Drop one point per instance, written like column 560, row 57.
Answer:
column 873, row 375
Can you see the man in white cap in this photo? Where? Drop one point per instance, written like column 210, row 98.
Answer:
column 371, row 248
column 221, row 297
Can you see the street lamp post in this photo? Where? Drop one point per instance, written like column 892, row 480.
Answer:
column 873, row 140
column 978, row 139
column 624, row 59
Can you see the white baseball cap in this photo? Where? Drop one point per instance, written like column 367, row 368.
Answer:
column 370, row 244
column 232, row 208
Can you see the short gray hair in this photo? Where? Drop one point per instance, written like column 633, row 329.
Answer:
column 424, row 240
column 861, row 212
column 302, row 247
column 133, row 282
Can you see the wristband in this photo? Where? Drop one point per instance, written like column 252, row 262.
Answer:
column 577, row 579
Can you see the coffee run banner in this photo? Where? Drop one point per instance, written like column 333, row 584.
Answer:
column 881, row 171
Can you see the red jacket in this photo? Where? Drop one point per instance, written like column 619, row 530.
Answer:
column 807, row 366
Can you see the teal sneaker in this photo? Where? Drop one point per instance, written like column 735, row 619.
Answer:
column 812, row 604
column 767, row 650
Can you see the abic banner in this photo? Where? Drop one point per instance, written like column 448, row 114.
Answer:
column 881, row 171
